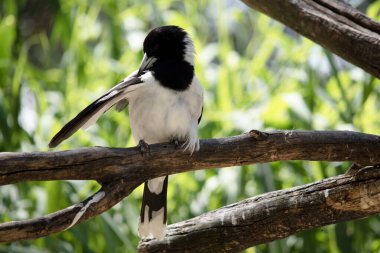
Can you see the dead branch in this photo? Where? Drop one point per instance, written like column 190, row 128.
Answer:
column 332, row 24
column 105, row 164
column 275, row 215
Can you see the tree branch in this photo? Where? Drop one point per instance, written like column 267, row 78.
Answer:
column 105, row 164
column 334, row 25
column 275, row 215
column 109, row 195
column 122, row 170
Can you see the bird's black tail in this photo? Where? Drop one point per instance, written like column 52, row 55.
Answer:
column 153, row 214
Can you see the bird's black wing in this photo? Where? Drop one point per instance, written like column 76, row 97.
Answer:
column 92, row 112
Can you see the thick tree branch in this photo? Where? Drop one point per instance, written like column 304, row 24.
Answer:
column 121, row 170
column 275, row 215
column 333, row 24
column 104, row 164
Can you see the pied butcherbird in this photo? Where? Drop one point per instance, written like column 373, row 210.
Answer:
column 165, row 101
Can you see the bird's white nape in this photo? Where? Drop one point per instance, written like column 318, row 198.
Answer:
column 189, row 50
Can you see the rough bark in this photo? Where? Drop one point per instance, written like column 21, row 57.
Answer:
column 104, row 164
column 275, row 215
column 122, row 170
column 109, row 195
column 333, row 24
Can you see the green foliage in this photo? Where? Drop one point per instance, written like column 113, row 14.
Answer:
column 58, row 56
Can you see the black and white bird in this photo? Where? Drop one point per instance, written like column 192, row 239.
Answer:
column 165, row 102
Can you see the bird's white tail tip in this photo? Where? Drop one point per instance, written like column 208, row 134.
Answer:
column 155, row 228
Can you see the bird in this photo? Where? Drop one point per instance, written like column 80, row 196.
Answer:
column 165, row 103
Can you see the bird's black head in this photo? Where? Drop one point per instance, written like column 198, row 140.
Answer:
column 166, row 42
column 169, row 56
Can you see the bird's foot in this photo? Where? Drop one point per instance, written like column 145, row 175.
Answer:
column 175, row 143
column 144, row 147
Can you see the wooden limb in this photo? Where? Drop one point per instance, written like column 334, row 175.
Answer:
column 105, row 164
column 333, row 24
column 121, row 170
column 275, row 215
column 109, row 195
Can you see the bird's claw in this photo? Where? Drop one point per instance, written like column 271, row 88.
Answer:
column 176, row 143
column 144, row 147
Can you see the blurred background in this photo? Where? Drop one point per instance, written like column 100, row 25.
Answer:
column 57, row 56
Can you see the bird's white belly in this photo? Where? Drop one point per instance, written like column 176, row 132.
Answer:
column 160, row 115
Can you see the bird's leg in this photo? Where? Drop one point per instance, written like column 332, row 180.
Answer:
column 144, row 147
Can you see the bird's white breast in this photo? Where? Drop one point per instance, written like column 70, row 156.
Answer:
column 160, row 114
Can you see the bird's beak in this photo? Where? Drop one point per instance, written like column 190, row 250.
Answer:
column 146, row 63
